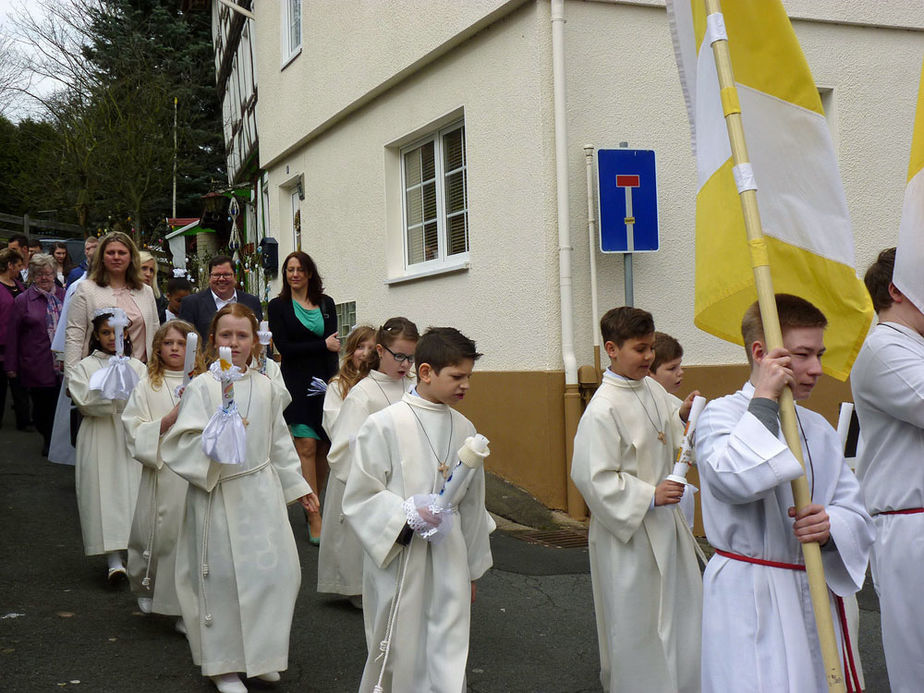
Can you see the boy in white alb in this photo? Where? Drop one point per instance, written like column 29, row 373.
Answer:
column 646, row 582
column 759, row 630
column 417, row 594
column 888, row 388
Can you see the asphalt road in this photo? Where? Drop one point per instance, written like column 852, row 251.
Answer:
column 63, row 627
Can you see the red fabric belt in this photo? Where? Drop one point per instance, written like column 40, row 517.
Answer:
column 760, row 561
column 906, row 511
column 853, row 678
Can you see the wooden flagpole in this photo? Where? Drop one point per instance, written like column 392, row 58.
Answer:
column 774, row 338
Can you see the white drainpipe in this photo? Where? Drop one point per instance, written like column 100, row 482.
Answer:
column 561, row 176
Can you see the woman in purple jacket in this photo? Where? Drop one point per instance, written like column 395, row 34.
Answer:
column 31, row 328
column 10, row 288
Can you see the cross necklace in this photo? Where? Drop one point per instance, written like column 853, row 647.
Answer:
column 249, row 396
column 444, row 463
column 660, row 433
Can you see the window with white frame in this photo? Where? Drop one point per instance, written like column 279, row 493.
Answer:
column 435, row 199
column 291, row 29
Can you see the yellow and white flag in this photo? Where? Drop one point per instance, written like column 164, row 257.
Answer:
column 802, row 204
column 908, row 275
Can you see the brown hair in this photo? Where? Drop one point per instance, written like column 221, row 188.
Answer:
column 349, row 373
column 794, row 311
column 238, row 310
column 444, row 346
column 315, row 285
column 8, row 256
column 390, row 332
column 619, row 324
column 666, row 348
column 156, row 365
column 878, row 277
column 98, row 271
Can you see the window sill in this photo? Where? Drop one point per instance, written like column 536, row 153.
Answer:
column 288, row 60
column 413, row 276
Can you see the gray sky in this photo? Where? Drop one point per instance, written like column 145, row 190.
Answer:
column 20, row 108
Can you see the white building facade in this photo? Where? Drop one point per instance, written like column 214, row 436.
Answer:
column 412, row 154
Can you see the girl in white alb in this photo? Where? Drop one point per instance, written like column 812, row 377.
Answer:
column 151, row 411
column 106, row 477
column 340, row 560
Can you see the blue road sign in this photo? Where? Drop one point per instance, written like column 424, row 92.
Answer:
column 628, row 200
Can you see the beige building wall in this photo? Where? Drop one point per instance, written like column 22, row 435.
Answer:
column 335, row 117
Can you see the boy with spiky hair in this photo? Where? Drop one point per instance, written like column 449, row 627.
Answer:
column 646, row 583
column 759, row 629
column 417, row 592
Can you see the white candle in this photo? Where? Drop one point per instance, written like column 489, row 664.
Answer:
column 227, row 385
column 685, row 456
column 118, row 322
column 471, row 457
column 189, row 361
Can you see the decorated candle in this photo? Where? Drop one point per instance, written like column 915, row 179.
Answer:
column 118, row 322
column 471, row 457
column 227, row 384
column 685, row 456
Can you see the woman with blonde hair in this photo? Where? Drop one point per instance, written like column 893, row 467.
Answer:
column 149, row 277
column 114, row 280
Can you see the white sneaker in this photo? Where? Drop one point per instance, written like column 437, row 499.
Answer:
column 270, row 677
column 229, row 683
column 145, row 604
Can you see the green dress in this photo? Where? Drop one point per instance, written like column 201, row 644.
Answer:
column 314, row 321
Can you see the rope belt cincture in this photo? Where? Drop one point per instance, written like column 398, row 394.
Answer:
column 204, row 564
column 853, row 676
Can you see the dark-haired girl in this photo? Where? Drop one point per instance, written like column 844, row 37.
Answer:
column 107, row 478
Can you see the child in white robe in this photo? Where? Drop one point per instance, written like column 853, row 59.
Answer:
column 354, row 366
column 667, row 365
column 666, row 368
column 888, row 388
column 106, row 477
column 237, row 567
column 340, row 559
column 151, row 411
column 401, row 451
column 646, row 581
column 759, row 630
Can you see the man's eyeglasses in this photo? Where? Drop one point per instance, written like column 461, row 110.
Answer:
column 221, row 275
column 399, row 357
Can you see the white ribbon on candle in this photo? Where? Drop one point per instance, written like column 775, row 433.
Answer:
column 224, row 438
column 117, row 380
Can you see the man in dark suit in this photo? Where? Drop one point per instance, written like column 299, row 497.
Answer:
column 200, row 307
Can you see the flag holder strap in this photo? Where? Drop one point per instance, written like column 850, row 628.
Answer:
column 774, row 338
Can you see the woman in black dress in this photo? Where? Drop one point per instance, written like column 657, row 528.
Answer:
column 303, row 321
